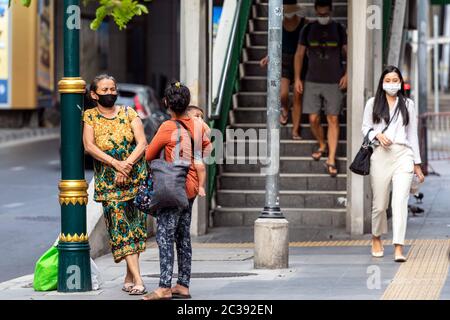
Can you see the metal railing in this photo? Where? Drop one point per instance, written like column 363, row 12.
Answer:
column 217, row 103
column 228, row 85
column 437, row 141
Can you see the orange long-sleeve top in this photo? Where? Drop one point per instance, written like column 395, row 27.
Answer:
column 166, row 138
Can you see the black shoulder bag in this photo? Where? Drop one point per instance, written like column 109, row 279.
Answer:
column 361, row 163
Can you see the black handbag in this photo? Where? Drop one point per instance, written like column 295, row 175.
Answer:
column 361, row 163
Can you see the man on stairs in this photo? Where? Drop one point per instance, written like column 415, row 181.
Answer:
column 324, row 42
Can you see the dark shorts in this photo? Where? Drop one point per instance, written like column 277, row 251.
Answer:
column 288, row 67
column 287, row 70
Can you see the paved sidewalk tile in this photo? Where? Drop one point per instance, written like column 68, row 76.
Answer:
column 323, row 263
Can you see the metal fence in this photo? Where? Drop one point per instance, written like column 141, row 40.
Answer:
column 436, row 137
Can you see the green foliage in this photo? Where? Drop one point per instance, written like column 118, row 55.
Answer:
column 122, row 11
column 26, row 3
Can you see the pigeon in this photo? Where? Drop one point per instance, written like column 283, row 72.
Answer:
column 419, row 196
column 416, row 210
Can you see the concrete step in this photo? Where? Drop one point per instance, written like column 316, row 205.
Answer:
column 300, row 2
column 261, row 10
column 254, row 84
column 287, row 165
column 254, row 53
column 230, row 217
column 250, row 99
column 259, row 115
column 288, row 148
column 286, row 131
column 309, row 182
column 256, row 38
column 291, row 199
column 252, row 69
column 262, row 23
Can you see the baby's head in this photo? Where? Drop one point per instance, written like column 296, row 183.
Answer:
column 195, row 112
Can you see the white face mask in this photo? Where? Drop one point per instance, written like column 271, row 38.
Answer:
column 392, row 88
column 293, row 14
column 323, row 20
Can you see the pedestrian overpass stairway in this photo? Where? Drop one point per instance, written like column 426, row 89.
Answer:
column 308, row 196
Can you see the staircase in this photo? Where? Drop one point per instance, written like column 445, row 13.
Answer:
column 308, row 196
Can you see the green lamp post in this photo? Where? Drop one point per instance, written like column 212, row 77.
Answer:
column 74, row 272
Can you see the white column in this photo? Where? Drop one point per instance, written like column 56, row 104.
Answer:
column 193, row 73
column 357, row 186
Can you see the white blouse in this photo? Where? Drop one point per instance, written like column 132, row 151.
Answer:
column 397, row 132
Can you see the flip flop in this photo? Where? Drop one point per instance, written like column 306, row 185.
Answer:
column 127, row 286
column 137, row 291
column 321, row 152
column 176, row 295
column 154, row 296
column 332, row 166
column 284, row 118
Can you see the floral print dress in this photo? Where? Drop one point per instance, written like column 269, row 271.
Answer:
column 126, row 226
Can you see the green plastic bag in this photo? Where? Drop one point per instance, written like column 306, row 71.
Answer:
column 46, row 271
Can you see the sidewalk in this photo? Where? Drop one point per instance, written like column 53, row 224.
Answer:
column 10, row 137
column 319, row 268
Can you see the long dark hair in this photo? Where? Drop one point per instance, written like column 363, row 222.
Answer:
column 381, row 106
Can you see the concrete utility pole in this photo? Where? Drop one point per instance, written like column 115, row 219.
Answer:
column 74, row 268
column 272, row 229
column 397, row 28
column 423, row 9
column 436, row 63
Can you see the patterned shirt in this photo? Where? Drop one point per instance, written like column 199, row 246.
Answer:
column 115, row 137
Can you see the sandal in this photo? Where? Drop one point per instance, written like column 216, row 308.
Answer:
column 331, row 166
column 138, row 291
column 127, row 286
column 154, row 296
column 181, row 296
column 296, row 135
column 284, row 117
column 321, row 154
column 178, row 295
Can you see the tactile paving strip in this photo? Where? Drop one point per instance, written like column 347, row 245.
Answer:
column 306, row 244
column 424, row 273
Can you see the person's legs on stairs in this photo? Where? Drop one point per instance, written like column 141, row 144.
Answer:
column 333, row 140
column 284, row 117
column 296, row 116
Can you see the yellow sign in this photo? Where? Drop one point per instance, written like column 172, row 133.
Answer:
column 45, row 47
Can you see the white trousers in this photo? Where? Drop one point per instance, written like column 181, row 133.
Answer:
column 391, row 167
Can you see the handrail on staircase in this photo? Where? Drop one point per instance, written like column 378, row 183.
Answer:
column 218, row 100
column 228, row 81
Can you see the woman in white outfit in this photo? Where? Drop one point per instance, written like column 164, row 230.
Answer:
column 395, row 160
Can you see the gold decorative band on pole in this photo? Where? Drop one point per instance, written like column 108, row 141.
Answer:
column 72, row 85
column 73, row 192
column 75, row 238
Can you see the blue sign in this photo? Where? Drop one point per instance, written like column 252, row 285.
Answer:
column 3, row 91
